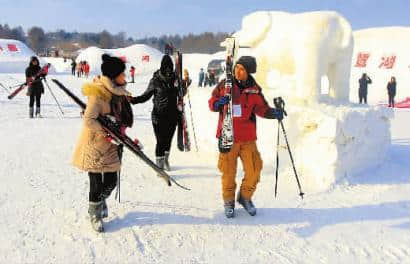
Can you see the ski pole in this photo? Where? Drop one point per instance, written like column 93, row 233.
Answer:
column 53, row 96
column 277, row 161
column 291, row 158
column 280, row 104
column 192, row 121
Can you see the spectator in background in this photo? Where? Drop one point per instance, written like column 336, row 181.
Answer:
column 86, row 69
column 391, row 90
column 201, row 77
column 363, row 82
column 206, row 80
column 73, row 67
column 132, row 72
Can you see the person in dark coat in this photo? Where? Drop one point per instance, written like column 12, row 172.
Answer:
column 363, row 82
column 391, row 90
column 201, row 77
column 35, row 86
column 73, row 67
column 164, row 113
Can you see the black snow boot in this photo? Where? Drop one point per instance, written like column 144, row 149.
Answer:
column 38, row 112
column 31, row 112
column 229, row 209
column 247, row 204
column 95, row 211
column 167, row 167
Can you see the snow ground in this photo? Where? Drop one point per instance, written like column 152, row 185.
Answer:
column 43, row 200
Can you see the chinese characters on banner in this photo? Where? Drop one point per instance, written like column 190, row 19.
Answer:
column 361, row 60
column 387, row 62
column 145, row 58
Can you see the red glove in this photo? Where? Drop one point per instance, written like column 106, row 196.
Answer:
column 138, row 143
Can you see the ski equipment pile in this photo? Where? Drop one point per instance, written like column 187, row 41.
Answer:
column 113, row 130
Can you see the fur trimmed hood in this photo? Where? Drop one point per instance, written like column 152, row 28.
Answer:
column 103, row 87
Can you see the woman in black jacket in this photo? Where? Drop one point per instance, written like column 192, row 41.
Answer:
column 164, row 113
column 391, row 90
column 35, row 86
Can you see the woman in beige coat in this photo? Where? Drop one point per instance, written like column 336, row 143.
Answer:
column 94, row 152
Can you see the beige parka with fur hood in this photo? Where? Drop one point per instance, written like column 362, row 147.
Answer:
column 94, row 153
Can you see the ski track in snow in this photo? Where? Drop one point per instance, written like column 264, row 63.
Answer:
column 43, row 200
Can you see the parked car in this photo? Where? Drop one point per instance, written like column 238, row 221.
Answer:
column 216, row 65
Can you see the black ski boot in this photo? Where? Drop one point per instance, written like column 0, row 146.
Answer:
column 229, row 209
column 247, row 204
column 38, row 112
column 167, row 167
column 95, row 211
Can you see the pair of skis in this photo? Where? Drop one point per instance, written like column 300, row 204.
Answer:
column 184, row 142
column 113, row 130
column 226, row 139
column 37, row 78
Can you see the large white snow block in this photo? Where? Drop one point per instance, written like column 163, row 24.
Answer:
column 329, row 142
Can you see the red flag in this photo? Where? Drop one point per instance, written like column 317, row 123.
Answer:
column 12, row 47
column 145, row 58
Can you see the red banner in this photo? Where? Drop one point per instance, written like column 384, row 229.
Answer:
column 12, row 47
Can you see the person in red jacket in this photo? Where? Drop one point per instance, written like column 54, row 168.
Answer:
column 248, row 101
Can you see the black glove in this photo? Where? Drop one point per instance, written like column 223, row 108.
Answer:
column 275, row 113
column 221, row 102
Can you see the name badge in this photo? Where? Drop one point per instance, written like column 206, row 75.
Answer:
column 237, row 110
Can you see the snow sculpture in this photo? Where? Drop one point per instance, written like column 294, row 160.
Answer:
column 305, row 45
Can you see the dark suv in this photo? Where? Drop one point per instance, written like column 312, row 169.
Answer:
column 217, row 66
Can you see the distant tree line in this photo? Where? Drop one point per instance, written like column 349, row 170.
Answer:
column 41, row 41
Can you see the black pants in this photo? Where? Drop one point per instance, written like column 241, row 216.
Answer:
column 391, row 100
column 164, row 132
column 363, row 97
column 35, row 97
column 101, row 185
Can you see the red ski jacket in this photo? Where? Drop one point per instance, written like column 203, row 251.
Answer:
column 247, row 101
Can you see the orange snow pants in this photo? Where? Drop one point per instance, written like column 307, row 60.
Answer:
column 252, row 166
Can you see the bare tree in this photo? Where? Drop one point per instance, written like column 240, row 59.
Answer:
column 36, row 38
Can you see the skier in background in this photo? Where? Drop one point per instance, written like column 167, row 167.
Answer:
column 164, row 114
column 94, row 152
column 35, row 86
column 391, row 90
column 247, row 101
column 363, row 82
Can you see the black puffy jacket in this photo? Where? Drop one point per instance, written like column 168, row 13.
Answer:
column 32, row 72
column 165, row 98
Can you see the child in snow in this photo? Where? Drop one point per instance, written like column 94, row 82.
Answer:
column 94, row 152
column 248, row 101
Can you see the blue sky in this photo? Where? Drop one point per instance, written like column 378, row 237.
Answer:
column 140, row 18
